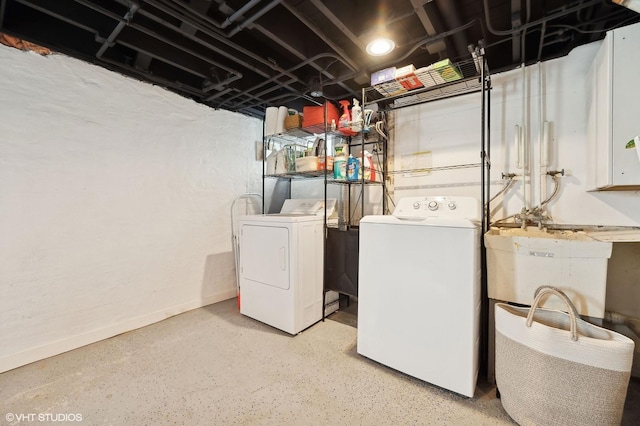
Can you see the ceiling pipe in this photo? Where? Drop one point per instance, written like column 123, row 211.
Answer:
column 338, row 23
column 542, row 35
column 234, row 74
column 537, row 22
column 232, row 45
column 3, row 5
column 321, row 35
column 448, row 11
column 516, row 22
column 118, row 29
column 418, row 9
column 253, row 18
column 200, row 94
column 219, row 37
column 309, row 61
column 59, row 17
column 238, row 13
column 168, row 61
column 200, row 41
column 144, row 76
column 246, row 23
column 427, row 41
column 299, row 55
column 222, row 25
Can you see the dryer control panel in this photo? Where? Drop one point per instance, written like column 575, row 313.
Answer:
column 438, row 206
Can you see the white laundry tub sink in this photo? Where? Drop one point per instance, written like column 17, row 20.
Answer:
column 519, row 261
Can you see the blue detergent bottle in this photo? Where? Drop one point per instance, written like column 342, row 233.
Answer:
column 352, row 168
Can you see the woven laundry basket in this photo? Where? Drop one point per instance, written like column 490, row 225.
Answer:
column 553, row 368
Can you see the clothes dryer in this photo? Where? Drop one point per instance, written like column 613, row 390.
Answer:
column 281, row 265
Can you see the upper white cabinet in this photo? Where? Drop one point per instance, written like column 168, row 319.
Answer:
column 614, row 112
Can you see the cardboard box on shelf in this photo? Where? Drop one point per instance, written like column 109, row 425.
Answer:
column 425, row 76
column 390, row 88
column 314, row 115
column 407, row 78
column 382, row 76
column 292, row 121
column 447, row 70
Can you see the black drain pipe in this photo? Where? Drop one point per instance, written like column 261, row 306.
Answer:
column 118, row 29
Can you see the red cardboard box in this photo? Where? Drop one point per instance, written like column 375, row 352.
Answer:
column 407, row 78
column 314, row 115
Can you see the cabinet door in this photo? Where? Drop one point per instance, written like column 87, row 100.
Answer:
column 264, row 255
column 600, row 117
column 626, row 104
column 614, row 112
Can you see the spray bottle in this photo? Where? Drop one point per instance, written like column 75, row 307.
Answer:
column 356, row 116
column 345, row 118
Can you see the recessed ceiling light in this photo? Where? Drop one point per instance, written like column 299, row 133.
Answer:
column 316, row 88
column 380, row 46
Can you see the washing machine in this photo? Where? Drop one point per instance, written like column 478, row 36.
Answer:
column 419, row 290
column 282, row 266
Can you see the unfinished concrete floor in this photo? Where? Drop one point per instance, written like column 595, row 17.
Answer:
column 213, row 366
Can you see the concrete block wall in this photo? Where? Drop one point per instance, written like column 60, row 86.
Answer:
column 115, row 203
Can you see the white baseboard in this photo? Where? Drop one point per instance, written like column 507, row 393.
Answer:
column 38, row 353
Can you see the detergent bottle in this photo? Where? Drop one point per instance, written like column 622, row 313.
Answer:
column 340, row 161
column 352, row 168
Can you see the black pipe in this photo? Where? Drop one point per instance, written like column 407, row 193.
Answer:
column 201, row 42
column 542, row 35
column 57, row 16
column 214, row 35
column 235, row 75
column 288, row 47
column 238, row 13
column 3, row 5
column 295, row 67
column 534, row 23
column 254, row 17
column 449, row 12
column 428, row 40
column 320, row 34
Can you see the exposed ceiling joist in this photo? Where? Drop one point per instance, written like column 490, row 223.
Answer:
column 247, row 55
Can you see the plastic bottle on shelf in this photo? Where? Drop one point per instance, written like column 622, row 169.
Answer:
column 352, row 168
column 367, row 167
column 341, row 149
column 345, row 118
column 340, row 168
column 356, row 116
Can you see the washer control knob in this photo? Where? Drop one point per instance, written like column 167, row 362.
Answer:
column 452, row 206
column 416, row 205
column 433, row 205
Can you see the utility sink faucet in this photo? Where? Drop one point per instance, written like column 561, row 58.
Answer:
column 535, row 216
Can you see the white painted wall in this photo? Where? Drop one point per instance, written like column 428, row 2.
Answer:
column 115, row 203
column 450, row 129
